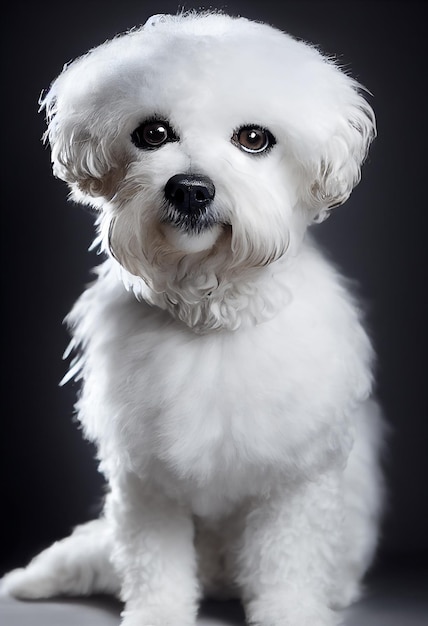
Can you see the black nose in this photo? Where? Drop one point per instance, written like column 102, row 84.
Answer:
column 189, row 193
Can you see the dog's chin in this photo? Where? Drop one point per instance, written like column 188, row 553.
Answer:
column 191, row 241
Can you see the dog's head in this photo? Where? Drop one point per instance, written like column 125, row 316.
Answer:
column 204, row 139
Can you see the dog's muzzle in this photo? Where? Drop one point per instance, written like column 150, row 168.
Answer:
column 188, row 200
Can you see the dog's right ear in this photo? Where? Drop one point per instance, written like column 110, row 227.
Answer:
column 338, row 169
column 87, row 162
column 340, row 145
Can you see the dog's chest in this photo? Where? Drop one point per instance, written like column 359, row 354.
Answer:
column 203, row 406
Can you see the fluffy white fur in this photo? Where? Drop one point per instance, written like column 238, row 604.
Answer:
column 226, row 376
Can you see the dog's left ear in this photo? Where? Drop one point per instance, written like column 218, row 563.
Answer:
column 337, row 167
column 87, row 162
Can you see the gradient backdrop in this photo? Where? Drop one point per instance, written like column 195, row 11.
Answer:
column 49, row 478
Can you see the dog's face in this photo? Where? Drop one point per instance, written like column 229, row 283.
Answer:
column 206, row 139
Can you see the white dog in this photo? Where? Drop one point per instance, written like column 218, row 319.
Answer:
column 226, row 376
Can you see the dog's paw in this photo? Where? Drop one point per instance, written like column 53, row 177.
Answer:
column 157, row 616
column 302, row 612
column 28, row 584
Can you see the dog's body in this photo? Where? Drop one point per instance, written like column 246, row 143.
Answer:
column 226, row 376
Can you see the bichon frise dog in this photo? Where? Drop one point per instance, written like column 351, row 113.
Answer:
column 226, row 376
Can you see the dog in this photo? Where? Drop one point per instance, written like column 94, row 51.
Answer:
column 226, row 376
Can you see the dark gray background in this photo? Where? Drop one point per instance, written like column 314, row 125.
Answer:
column 49, row 478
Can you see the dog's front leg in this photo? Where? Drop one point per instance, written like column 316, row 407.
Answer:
column 287, row 553
column 153, row 554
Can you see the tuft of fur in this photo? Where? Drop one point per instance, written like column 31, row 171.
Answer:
column 226, row 373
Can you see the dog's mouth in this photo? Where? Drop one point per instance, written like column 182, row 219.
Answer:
column 190, row 222
column 193, row 232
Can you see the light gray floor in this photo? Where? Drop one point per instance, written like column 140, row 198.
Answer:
column 391, row 601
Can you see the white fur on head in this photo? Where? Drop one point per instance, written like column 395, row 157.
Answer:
column 208, row 75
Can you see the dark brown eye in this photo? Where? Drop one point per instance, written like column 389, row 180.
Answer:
column 253, row 139
column 153, row 134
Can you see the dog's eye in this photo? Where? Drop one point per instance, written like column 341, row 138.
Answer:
column 153, row 134
column 253, row 139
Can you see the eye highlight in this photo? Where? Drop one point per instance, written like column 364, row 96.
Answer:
column 153, row 134
column 253, row 139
